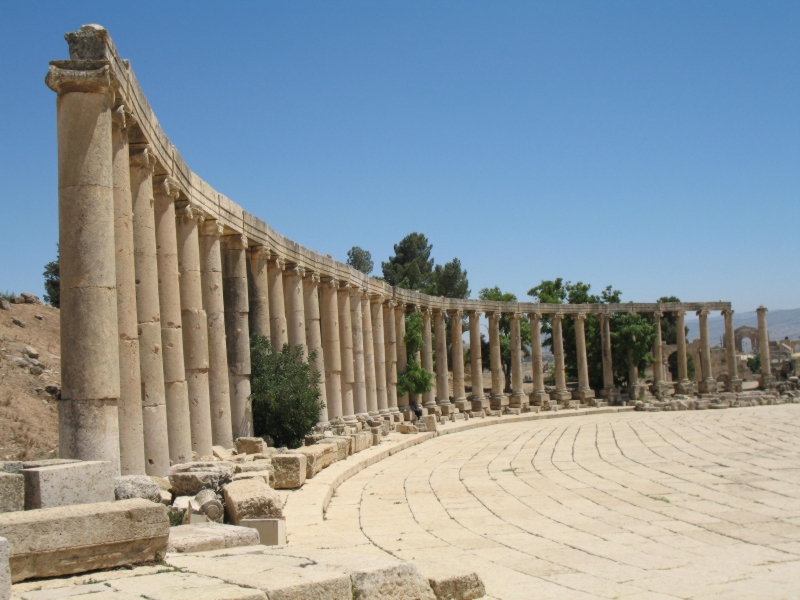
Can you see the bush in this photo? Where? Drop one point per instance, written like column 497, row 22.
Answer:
column 415, row 380
column 285, row 392
column 52, row 281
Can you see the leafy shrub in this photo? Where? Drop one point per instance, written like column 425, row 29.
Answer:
column 415, row 380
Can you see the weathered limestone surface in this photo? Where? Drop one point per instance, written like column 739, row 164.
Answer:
column 180, row 586
column 329, row 314
column 271, row 532
column 369, row 355
column 12, row 492
column 190, row 478
column 346, row 353
column 314, row 334
column 136, row 486
column 277, row 310
column 452, row 584
column 202, row 537
column 5, row 571
column 258, row 290
column 250, row 445
column 318, row 457
column 295, row 310
column 341, row 443
column 251, row 499
column 68, row 484
column 289, row 470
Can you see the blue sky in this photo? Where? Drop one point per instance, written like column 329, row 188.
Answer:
column 653, row 146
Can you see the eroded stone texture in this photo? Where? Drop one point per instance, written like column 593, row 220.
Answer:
column 251, row 499
column 68, row 484
column 318, row 457
column 250, row 445
column 289, row 470
column 202, row 537
column 188, row 479
column 12, row 492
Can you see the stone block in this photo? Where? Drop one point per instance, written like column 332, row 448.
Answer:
column 250, row 445
column 449, row 584
column 403, row 428
column 251, row 499
column 189, row 478
column 376, row 439
column 47, row 462
column 67, row 484
column 165, row 497
column 430, row 422
column 5, row 571
column 289, row 471
column 318, row 457
column 136, row 486
column 85, row 537
column 267, row 476
column 342, row 444
column 253, row 465
column 181, row 586
column 271, row 532
column 210, row 536
column 221, row 453
column 10, row 466
column 12, row 492
column 360, row 441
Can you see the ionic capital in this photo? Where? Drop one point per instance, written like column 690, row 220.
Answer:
column 279, row 263
column 556, row 317
column 658, row 314
column 535, row 316
column 455, row 313
column 579, row 317
column 761, row 309
column 140, row 156
column 703, row 312
column 188, row 211
column 727, row 312
column 294, row 268
column 235, row 241
column 680, row 313
column 377, row 298
column 96, row 78
column 329, row 281
column 119, row 116
column 164, row 185
column 311, row 276
column 211, row 227
column 515, row 316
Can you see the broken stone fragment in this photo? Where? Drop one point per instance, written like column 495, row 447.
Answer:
column 250, row 445
column 189, row 478
column 203, row 537
column 207, row 503
column 17, row 322
column 4, row 304
column 136, row 486
column 251, row 499
column 30, row 351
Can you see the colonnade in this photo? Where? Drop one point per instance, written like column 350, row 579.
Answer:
column 163, row 280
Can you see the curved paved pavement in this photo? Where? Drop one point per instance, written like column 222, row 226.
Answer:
column 700, row 504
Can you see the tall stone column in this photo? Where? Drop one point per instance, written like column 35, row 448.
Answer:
column 131, row 435
column 390, row 335
column 633, row 377
column 539, row 396
column 708, row 385
column 610, row 391
column 359, row 383
column 214, row 305
column 148, row 314
column 277, row 310
column 457, row 350
column 258, row 291
column 734, row 382
column 685, row 386
column 428, row 398
column 379, row 347
column 346, row 350
column 767, row 380
column 176, row 391
column 88, row 421
column 584, row 392
column 562, row 394
column 314, row 336
column 440, row 331
column 477, row 398
column 498, row 399
column 295, row 308
column 237, row 328
column 518, row 399
column 329, row 314
column 660, row 387
column 402, row 352
column 370, row 383
column 194, row 325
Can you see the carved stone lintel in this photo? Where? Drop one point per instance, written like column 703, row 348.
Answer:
column 211, row 227
column 141, row 156
column 164, row 185
column 96, row 78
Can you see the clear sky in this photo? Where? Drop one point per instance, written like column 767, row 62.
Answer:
column 654, row 146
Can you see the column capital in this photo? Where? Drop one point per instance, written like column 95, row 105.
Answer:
column 557, row 316
column 120, row 115
column 95, row 78
column 492, row 313
column 311, row 276
column 260, row 251
column 141, row 156
column 280, row 263
column 164, row 185
column 473, row 311
column 235, row 241
column 188, row 211
column 328, row 280
column 703, row 312
column 211, row 227
column 658, row 314
column 456, row 313
column 579, row 317
column 727, row 311
column 680, row 313
column 514, row 316
column 761, row 309
column 295, row 268
column 535, row 316
column 390, row 303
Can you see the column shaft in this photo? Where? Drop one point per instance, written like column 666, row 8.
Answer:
column 767, row 379
column 429, row 397
column 295, row 308
column 610, row 391
column 684, row 385
column 346, row 349
column 329, row 313
column 477, row 398
column 518, row 398
column 277, row 309
column 390, row 335
column 658, row 375
column 379, row 346
column 539, row 396
column 440, row 331
column 457, row 351
column 258, row 291
column 359, row 377
column 708, row 385
column 370, row 383
column 314, row 336
column 734, row 382
column 498, row 399
column 633, row 377
column 562, row 394
column 402, row 352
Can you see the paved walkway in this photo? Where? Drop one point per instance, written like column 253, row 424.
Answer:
column 699, row 504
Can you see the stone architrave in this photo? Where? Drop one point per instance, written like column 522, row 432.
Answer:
column 440, row 332
column 767, row 380
column 379, row 347
column 584, row 393
column 610, row 391
column 477, row 398
column 314, row 335
column 369, row 356
column 237, row 328
column 538, row 397
column 390, row 335
column 295, row 308
column 214, row 305
column 429, row 397
column 346, row 349
column 277, row 308
column 734, row 381
column 194, row 326
column 685, row 386
column 176, row 391
column 258, row 290
column 708, row 385
column 148, row 314
column 88, row 423
column 457, row 350
column 131, row 434
column 329, row 316
column 359, row 377
column 562, row 395
column 402, row 352
column 498, row 399
column 518, row 399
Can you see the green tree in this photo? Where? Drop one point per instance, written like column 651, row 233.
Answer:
column 284, row 392
column 449, row 280
column 631, row 331
column 360, row 259
column 52, row 281
column 754, row 363
column 415, row 380
column 411, row 267
column 495, row 294
column 672, row 364
column 669, row 323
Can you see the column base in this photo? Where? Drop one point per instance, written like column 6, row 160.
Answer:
column 362, row 417
column 518, row 400
column 685, row 387
column 479, row 403
column 662, row 389
column 498, row 401
column 583, row 394
column 383, row 412
column 561, row 396
column 611, row 393
column 540, row 398
column 734, row 385
column 463, row 405
column 707, row 386
column 350, row 419
column 766, row 382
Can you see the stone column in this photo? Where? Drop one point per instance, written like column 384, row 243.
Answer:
column 457, row 350
column 684, row 385
column 660, row 387
column 359, row 383
column 518, row 398
column 584, row 393
column 148, row 314
column 440, row 331
column 346, row 350
column 131, row 435
column 428, row 398
column 295, row 308
column 258, row 291
column 379, row 347
column 734, row 382
column 237, row 328
column 402, row 352
column 88, row 422
column 370, row 384
column 194, row 325
column 539, row 396
column 314, row 336
column 329, row 315
column 176, row 391
column 610, row 391
column 478, row 400
column 562, row 395
column 214, row 305
column 498, row 399
column 277, row 310
column 633, row 377
column 767, row 380
column 708, row 385
column 391, row 356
